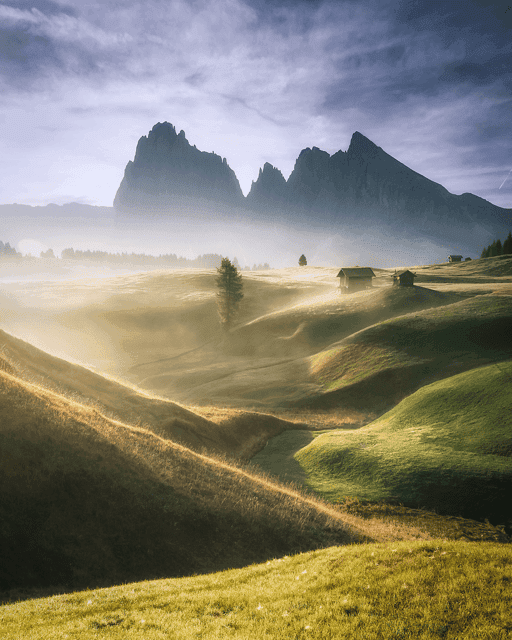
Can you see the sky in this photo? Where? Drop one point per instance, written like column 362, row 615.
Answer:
column 255, row 81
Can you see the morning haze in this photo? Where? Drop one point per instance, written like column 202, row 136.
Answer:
column 257, row 385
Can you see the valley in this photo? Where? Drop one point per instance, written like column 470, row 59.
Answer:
column 141, row 442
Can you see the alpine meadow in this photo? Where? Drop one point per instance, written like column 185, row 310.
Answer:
column 255, row 320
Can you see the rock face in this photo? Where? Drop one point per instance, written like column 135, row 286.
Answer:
column 361, row 188
column 168, row 173
column 269, row 191
column 366, row 188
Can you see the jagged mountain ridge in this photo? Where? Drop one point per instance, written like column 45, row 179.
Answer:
column 361, row 185
column 168, row 172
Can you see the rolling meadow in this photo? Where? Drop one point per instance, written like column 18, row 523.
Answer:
column 333, row 466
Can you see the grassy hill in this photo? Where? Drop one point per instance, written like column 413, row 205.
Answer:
column 236, row 434
column 87, row 499
column 160, row 329
column 425, row 590
column 378, row 366
column 103, row 484
column 447, row 448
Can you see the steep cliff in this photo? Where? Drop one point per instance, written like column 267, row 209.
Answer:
column 168, row 174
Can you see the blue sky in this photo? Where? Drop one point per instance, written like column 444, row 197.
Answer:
column 254, row 81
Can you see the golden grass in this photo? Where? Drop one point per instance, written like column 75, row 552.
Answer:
column 426, row 589
column 106, row 483
column 90, row 500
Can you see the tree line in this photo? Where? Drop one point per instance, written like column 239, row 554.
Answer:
column 205, row 261
column 496, row 248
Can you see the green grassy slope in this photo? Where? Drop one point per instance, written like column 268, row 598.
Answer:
column 311, row 324
column 422, row 590
column 376, row 367
column 446, row 447
column 259, row 365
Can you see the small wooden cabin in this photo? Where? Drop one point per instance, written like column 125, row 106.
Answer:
column 355, row 279
column 454, row 258
column 404, row 278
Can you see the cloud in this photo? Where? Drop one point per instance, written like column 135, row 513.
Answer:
column 258, row 80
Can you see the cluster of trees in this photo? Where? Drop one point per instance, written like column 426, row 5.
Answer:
column 496, row 248
column 255, row 267
column 206, row 261
column 7, row 251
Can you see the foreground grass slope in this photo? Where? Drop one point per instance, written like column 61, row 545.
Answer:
column 422, row 590
column 446, row 447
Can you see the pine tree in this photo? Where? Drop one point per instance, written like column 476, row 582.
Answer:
column 230, row 285
column 302, row 261
column 507, row 245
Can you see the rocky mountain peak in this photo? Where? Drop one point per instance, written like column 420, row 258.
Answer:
column 361, row 145
column 167, row 173
column 270, row 186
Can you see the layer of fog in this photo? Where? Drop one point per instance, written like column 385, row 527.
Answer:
column 278, row 244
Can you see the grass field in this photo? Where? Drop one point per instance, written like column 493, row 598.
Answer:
column 127, row 419
column 378, row 366
column 424, row 590
column 446, row 447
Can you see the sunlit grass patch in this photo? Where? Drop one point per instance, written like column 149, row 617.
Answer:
column 344, row 365
column 426, row 590
column 448, row 446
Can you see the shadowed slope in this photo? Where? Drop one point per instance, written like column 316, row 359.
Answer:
column 238, row 435
column 87, row 500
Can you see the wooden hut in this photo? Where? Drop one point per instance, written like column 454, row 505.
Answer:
column 454, row 258
column 404, row 278
column 355, row 279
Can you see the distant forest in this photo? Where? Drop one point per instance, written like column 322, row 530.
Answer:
column 206, row 261
column 496, row 248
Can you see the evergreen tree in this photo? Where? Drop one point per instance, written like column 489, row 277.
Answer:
column 507, row 245
column 229, row 294
column 302, row 261
column 499, row 248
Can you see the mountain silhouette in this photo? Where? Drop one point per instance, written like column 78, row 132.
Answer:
column 168, row 173
column 361, row 188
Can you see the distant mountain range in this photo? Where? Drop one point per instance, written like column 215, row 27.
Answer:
column 362, row 204
column 361, row 187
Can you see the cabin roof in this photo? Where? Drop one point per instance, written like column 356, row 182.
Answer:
column 402, row 273
column 356, row 272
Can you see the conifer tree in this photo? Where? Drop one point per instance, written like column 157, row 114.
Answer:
column 302, row 261
column 229, row 294
column 507, row 245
